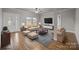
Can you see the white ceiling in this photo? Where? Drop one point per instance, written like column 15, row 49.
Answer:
column 44, row 10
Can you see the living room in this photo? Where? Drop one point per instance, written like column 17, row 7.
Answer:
column 39, row 28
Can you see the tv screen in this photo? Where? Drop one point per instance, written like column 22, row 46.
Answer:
column 48, row 20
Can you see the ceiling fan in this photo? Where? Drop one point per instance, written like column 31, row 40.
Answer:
column 37, row 10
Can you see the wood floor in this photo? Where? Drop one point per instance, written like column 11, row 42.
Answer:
column 21, row 42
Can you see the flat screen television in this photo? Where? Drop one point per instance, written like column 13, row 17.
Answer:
column 48, row 20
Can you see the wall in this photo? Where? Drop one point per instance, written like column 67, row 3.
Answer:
column 67, row 18
column 77, row 24
column 48, row 15
column 0, row 24
column 13, row 15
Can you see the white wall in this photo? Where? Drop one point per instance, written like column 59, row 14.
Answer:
column 0, row 24
column 67, row 18
column 77, row 24
column 13, row 15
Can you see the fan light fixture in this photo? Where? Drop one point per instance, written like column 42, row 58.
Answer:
column 37, row 10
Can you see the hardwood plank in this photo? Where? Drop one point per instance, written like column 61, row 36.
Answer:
column 25, row 43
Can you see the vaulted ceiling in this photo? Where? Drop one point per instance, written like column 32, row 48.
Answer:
column 44, row 10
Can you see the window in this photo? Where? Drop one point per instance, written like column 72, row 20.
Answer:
column 34, row 22
column 9, row 20
column 31, row 21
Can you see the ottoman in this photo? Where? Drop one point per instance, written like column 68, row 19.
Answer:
column 32, row 35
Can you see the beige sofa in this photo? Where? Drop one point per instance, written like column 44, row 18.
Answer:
column 65, row 40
